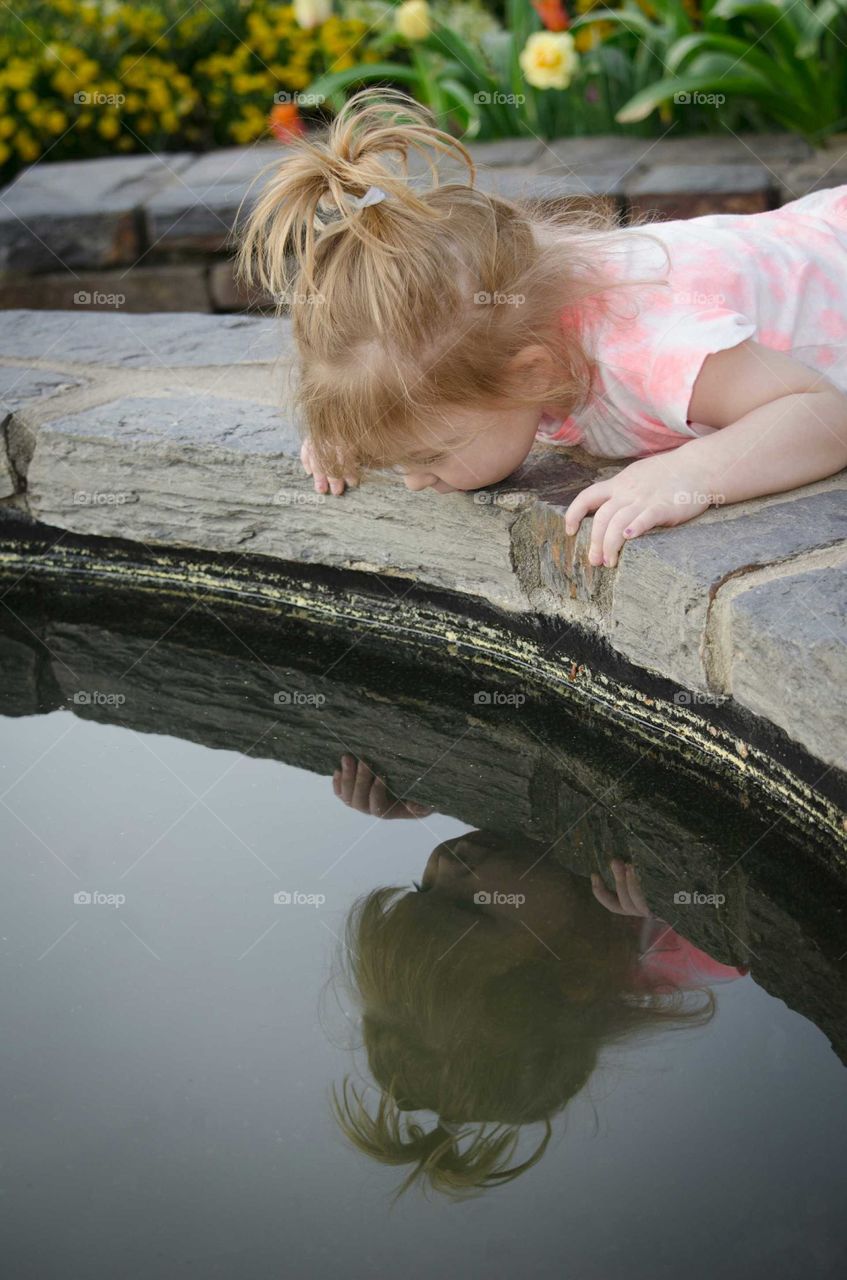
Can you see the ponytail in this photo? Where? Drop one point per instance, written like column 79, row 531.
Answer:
column 321, row 173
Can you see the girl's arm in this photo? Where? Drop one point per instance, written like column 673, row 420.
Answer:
column 781, row 424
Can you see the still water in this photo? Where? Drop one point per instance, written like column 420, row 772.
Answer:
column 188, row 985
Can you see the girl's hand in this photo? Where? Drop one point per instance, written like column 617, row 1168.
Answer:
column 322, row 482
column 628, row 900
column 652, row 491
column 358, row 786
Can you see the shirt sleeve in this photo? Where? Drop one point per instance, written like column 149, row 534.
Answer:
column 669, row 962
column 650, row 369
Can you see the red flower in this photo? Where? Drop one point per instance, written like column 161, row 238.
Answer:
column 552, row 13
column 285, row 122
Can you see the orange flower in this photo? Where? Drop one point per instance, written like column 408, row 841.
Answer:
column 285, row 122
column 552, row 13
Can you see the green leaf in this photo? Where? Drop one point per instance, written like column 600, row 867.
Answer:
column 647, row 100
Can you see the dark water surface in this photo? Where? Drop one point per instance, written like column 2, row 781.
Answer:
column 169, row 1057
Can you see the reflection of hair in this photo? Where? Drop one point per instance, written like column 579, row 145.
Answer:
column 494, row 1032
column 385, row 299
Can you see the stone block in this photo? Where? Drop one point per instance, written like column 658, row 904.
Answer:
column 225, row 475
column 197, row 213
column 690, row 191
column 667, row 580
column 788, row 657
column 80, row 213
column 20, row 387
column 165, row 288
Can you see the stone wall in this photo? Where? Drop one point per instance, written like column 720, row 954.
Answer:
column 175, row 431
column 155, row 232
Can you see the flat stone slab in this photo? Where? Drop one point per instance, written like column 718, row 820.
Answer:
column 781, row 630
column 80, row 213
column 100, row 340
column 19, row 389
column 198, row 209
column 170, row 430
column 675, row 575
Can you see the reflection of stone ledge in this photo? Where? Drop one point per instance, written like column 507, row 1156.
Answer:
column 165, row 430
column 242, row 680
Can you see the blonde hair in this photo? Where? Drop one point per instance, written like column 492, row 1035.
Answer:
column 383, row 297
column 490, row 1033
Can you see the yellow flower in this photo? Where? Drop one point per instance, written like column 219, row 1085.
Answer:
column 4, row 153
column 18, row 76
column 412, row 20
column 28, row 148
column 549, row 59
column 55, row 121
column 7, row 127
column 108, row 126
column 26, row 101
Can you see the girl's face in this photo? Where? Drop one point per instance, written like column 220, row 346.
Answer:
column 507, row 886
column 497, row 443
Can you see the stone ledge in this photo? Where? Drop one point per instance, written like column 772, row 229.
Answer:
column 121, row 212
column 176, row 431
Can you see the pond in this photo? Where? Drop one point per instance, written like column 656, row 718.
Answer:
column 203, row 976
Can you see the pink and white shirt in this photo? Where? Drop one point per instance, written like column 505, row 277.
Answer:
column 778, row 277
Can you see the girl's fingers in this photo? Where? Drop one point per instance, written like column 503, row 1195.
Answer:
column 336, row 486
column 614, row 539
column 603, row 895
column 348, row 777
column 598, row 529
column 362, row 787
column 336, row 782
column 619, row 872
column 321, row 483
column 379, row 799
column 636, row 893
column 646, row 520
column 588, row 500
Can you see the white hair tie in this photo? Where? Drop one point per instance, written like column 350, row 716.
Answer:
column 373, row 195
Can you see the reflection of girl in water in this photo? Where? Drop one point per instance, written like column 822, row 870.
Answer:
column 489, row 991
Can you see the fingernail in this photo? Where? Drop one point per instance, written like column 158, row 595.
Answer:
column 627, row 533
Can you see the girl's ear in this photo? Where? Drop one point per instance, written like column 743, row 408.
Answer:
column 532, row 365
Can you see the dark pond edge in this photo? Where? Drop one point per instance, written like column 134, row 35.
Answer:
column 562, row 658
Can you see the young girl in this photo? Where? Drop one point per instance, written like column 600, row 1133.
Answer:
column 442, row 331
column 490, row 993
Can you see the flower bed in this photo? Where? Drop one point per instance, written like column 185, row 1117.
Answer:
column 101, row 77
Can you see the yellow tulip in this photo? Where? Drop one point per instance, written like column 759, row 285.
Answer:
column 549, row 59
column 412, row 20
